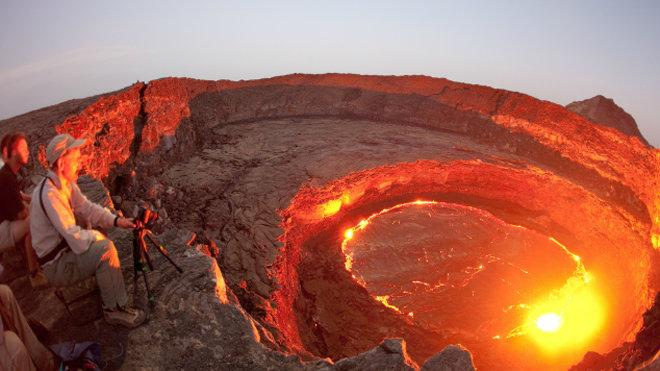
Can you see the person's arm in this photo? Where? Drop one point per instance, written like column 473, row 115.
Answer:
column 96, row 214
column 64, row 221
column 89, row 211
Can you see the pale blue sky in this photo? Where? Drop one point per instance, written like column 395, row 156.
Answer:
column 562, row 51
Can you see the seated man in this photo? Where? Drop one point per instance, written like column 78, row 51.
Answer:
column 14, row 218
column 19, row 347
column 67, row 252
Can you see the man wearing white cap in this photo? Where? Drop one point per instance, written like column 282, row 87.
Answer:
column 67, row 252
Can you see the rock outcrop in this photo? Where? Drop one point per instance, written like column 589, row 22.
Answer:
column 391, row 355
column 606, row 112
column 266, row 175
column 452, row 358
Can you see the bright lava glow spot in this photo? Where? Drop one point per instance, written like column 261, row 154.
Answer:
column 348, row 234
column 332, row 207
column 383, row 300
column 549, row 322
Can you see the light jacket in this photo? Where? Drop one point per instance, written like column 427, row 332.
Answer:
column 65, row 203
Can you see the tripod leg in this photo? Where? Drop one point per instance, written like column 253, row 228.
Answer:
column 140, row 257
column 144, row 253
column 150, row 297
column 147, row 258
column 135, row 281
column 144, row 256
column 163, row 252
column 137, row 265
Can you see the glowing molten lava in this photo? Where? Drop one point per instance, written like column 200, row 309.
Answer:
column 559, row 321
column 567, row 318
column 383, row 299
column 332, row 207
column 549, row 322
column 350, row 232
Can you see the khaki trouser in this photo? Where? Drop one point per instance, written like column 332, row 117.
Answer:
column 100, row 260
column 20, row 350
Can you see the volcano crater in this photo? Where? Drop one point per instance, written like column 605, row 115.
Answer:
column 529, row 203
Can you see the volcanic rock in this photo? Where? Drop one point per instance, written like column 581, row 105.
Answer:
column 275, row 170
column 389, row 355
column 95, row 191
column 452, row 358
column 606, row 112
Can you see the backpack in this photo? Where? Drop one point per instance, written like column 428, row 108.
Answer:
column 78, row 356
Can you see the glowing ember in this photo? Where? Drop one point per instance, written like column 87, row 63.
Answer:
column 383, row 299
column 549, row 322
column 332, row 207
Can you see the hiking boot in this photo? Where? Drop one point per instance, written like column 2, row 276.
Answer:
column 125, row 316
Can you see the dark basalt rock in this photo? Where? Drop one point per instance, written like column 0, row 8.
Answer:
column 606, row 112
column 452, row 358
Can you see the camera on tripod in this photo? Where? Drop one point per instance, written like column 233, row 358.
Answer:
column 145, row 218
column 141, row 259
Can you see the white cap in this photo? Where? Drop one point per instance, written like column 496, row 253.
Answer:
column 60, row 144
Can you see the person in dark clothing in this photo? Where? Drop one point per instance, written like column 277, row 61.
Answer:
column 5, row 155
column 14, row 216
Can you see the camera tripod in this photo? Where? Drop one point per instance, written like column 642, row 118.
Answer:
column 141, row 256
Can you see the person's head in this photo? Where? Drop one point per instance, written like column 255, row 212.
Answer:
column 63, row 155
column 15, row 150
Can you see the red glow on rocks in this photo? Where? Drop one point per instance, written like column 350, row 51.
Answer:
column 489, row 185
